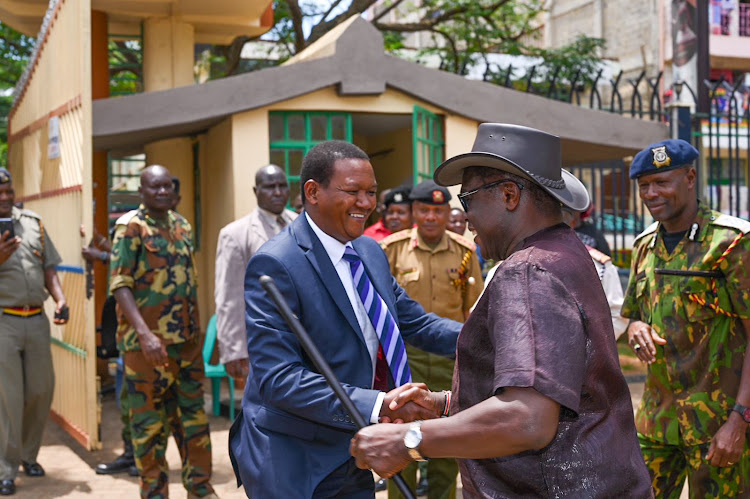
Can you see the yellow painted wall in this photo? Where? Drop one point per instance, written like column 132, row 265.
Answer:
column 327, row 99
column 250, row 139
column 216, row 179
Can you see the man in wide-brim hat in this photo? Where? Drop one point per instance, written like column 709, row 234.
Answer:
column 538, row 398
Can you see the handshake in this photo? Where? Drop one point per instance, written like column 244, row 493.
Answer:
column 381, row 447
column 413, row 402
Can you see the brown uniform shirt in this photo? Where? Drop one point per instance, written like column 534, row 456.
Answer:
column 22, row 275
column 542, row 324
column 435, row 277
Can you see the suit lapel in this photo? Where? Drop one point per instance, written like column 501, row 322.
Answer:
column 321, row 262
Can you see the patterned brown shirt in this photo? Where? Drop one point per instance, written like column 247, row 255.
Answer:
column 543, row 322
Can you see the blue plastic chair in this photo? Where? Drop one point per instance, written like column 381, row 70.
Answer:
column 216, row 371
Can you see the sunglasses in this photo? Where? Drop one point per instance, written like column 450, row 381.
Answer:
column 466, row 196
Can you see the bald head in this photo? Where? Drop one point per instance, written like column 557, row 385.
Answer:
column 154, row 170
column 268, row 171
column 157, row 190
column 271, row 189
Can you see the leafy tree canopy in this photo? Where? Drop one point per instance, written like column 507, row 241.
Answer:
column 16, row 51
column 460, row 34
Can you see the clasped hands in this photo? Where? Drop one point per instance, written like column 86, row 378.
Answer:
column 381, row 447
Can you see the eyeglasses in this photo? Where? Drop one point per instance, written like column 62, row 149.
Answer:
column 465, row 196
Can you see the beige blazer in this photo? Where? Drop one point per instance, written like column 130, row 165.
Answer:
column 238, row 242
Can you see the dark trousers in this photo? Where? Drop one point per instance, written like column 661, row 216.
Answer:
column 346, row 481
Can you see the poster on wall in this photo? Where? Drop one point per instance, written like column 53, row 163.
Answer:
column 685, row 45
column 53, row 145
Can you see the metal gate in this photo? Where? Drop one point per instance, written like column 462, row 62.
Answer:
column 722, row 136
column 50, row 157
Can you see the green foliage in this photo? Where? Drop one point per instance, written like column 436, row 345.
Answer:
column 16, row 49
column 578, row 61
column 125, row 67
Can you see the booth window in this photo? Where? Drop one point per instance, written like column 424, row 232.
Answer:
column 294, row 133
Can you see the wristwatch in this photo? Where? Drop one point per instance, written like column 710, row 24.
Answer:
column 744, row 412
column 412, row 439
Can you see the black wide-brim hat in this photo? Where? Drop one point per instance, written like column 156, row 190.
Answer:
column 522, row 151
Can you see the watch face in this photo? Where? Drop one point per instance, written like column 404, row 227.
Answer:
column 412, row 439
column 746, row 415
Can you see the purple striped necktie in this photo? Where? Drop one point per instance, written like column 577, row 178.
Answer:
column 381, row 319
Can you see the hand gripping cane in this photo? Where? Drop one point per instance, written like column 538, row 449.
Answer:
column 307, row 343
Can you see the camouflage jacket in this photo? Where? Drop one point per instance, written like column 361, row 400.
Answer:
column 155, row 260
column 695, row 298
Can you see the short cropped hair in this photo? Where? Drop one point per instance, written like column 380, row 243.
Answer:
column 318, row 163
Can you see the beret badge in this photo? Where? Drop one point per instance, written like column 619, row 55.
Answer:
column 398, row 198
column 438, row 197
column 661, row 158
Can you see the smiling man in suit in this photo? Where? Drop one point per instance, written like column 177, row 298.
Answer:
column 292, row 437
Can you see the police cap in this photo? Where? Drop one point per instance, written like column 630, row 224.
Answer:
column 398, row 195
column 5, row 176
column 663, row 156
column 430, row 193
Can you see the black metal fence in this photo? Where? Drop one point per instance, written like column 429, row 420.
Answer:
column 617, row 211
column 723, row 137
column 639, row 97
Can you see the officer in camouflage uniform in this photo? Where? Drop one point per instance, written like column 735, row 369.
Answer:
column 440, row 270
column 154, row 281
column 689, row 305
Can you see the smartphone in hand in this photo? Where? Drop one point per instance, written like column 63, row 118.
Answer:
column 6, row 224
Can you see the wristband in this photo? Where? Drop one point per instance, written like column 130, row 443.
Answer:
column 447, row 407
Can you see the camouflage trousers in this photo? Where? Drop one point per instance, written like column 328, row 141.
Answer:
column 437, row 373
column 169, row 398
column 669, row 465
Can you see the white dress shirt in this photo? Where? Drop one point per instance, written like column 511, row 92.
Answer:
column 335, row 251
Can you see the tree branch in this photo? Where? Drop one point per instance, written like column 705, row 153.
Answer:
column 428, row 24
column 330, row 9
column 323, row 27
column 299, row 35
column 387, row 10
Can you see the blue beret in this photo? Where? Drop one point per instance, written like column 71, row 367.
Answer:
column 663, row 156
column 431, row 193
column 5, row 176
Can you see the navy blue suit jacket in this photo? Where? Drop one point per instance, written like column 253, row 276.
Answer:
column 292, row 431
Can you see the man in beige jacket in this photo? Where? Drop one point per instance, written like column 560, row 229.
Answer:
column 238, row 242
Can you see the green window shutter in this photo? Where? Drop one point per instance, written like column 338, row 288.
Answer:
column 294, row 133
column 427, row 143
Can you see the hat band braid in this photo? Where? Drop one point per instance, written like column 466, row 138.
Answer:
column 552, row 184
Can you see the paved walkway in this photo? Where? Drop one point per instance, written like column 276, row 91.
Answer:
column 70, row 468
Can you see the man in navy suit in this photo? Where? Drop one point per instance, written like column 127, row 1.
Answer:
column 292, row 437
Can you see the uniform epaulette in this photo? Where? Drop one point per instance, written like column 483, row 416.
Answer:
column 649, row 230
column 462, row 240
column 598, row 256
column 126, row 218
column 30, row 214
column 732, row 223
column 396, row 236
